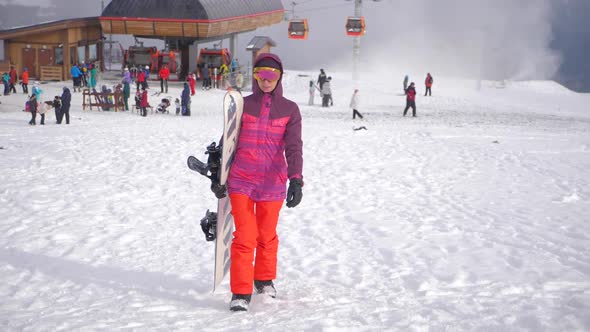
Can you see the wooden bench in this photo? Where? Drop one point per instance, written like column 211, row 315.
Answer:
column 90, row 99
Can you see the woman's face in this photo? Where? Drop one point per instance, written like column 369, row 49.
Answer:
column 267, row 86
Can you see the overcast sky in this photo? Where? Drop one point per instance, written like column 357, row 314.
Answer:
column 503, row 39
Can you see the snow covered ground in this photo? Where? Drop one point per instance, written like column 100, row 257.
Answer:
column 472, row 216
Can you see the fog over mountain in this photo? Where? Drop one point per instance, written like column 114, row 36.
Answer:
column 499, row 39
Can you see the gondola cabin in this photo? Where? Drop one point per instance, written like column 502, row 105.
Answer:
column 298, row 29
column 355, row 26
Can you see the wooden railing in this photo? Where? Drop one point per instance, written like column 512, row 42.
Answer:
column 102, row 100
column 51, row 73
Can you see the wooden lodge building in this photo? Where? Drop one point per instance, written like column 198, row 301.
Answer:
column 48, row 50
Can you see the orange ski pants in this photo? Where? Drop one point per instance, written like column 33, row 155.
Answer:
column 256, row 230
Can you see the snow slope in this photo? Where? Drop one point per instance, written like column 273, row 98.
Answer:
column 472, row 216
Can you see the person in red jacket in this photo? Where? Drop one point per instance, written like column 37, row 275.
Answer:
column 411, row 99
column 164, row 76
column 192, row 80
column 140, row 80
column 25, row 80
column 13, row 79
column 144, row 104
column 428, row 82
column 268, row 153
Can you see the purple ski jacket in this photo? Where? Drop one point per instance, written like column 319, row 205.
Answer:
column 270, row 149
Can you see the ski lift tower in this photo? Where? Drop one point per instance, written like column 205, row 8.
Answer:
column 356, row 41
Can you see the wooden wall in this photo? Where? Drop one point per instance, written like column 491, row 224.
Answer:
column 146, row 27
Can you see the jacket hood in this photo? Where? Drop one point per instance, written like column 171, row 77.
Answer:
column 278, row 91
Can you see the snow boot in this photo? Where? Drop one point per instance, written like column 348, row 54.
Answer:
column 265, row 287
column 240, row 302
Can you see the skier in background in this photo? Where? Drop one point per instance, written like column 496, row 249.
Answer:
column 322, row 78
column 66, row 99
column 206, row 76
column 25, row 80
column 411, row 99
column 146, row 71
column 192, row 80
column 164, row 76
column 33, row 109
column 140, row 81
column 144, row 102
column 76, row 74
column 185, row 98
column 312, row 88
column 126, row 87
column 326, row 92
column 6, row 82
column 93, row 77
column 234, row 65
column 57, row 109
column 269, row 151
column 428, row 82
column 354, row 104
column 13, row 79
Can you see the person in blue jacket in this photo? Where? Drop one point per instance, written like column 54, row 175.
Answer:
column 76, row 77
column 185, row 100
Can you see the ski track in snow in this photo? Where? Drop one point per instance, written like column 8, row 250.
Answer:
column 471, row 217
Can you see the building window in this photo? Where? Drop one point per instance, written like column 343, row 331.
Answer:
column 92, row 53
column 81, row 53
column 59, row 55
column 73, row 59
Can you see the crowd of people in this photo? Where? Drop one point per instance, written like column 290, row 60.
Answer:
column 60, row 104
column 229, row 76
column 323, row 85
column 10, row 79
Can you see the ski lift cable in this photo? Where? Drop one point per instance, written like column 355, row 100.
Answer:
column 322, row 8
column 347, row 3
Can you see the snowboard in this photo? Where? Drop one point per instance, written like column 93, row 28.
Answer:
column 219, row 226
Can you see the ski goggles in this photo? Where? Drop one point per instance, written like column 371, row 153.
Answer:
column 266, row 74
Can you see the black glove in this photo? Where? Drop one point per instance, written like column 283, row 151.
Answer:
column 294, row 193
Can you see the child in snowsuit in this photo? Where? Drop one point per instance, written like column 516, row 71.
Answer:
column 144, row 102
column 45, row 107
column 57, row 107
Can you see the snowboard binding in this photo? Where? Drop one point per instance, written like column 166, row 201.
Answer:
column 214, row 164
column 209, row 225
column 211, row 169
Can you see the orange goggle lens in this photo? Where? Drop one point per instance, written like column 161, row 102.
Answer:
column 266, row 74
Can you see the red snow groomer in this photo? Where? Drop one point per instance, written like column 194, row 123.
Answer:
column 139, row 57
column 214, row 57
